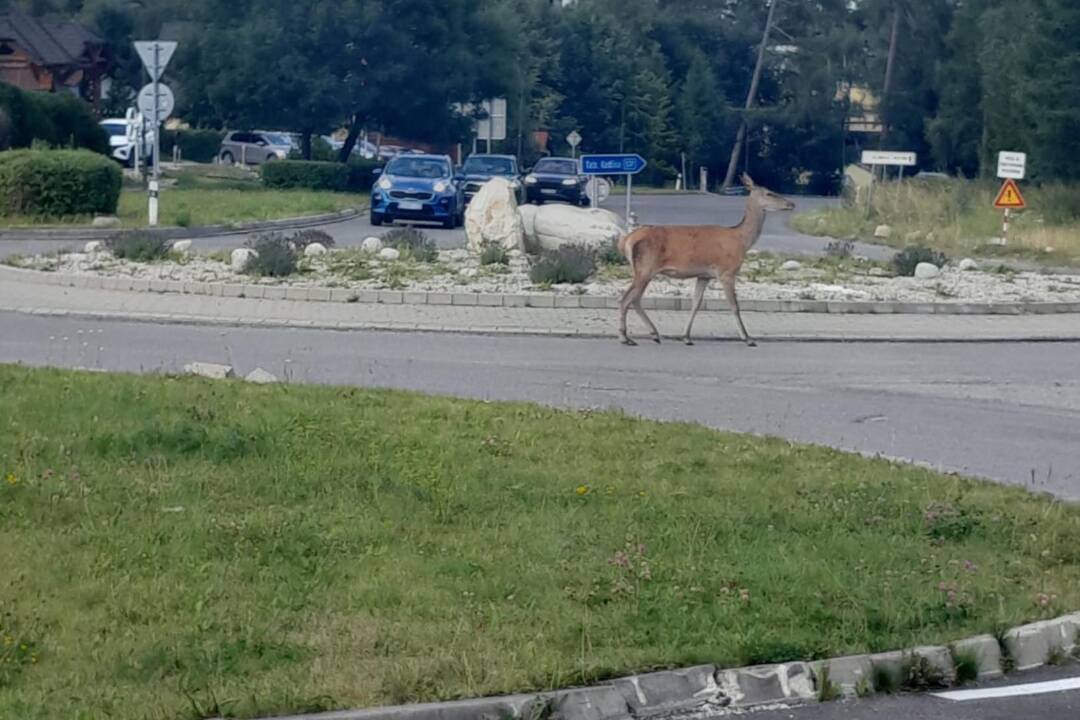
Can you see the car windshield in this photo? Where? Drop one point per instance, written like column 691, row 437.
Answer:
column 489, row 166
column 115, row 129
column 277, row 139
column 418, row 167
column 556, row 167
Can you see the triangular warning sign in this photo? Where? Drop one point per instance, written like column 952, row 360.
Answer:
column 1009, row 197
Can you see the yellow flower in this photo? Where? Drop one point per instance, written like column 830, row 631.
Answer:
column 11, row 479
column 582, row 490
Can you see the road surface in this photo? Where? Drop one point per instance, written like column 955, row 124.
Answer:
column 1006, row 411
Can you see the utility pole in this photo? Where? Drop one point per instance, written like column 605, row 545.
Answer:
column 889, row 65
column 751, row 97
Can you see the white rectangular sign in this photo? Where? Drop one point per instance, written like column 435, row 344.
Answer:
column 1012, row 165
column 493, row 127
column 889, row 157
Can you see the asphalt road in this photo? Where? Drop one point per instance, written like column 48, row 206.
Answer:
column 688, row 209
column 1048, row 705
column 1010, row 412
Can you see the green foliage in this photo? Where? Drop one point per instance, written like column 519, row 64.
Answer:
column 568, row 264
column 412, row 243
column 306, row 174
column 138, row 246
column 58, row 120
column 905, row 261
column 199, row 146
column 58, row 183
column 609, row 255
column 276, row 256
column 494, row 254
column 967, row 667
column 361, row 174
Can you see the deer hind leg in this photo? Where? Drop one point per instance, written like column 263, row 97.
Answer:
column 699, row 299
column 632, row 298
column 728, row 281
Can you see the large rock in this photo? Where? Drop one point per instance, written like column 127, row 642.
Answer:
column 105, row 221
column 528, row 223
column 261, row 377
column 927, row 271
column 559, row 225
column 371, row 245
column 182, row 247
column 492, row 218
column 791, row 266
column 94, row 246
column 241, row 258
column 968, row 265
column 389, row 254
column 209, row 370
column 883, row 232
column 314, row 250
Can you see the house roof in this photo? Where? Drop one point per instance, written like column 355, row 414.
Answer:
column 48, row 41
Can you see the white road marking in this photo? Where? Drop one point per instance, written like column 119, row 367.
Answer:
column 1051, row 686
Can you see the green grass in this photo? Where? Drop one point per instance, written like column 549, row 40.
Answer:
column 212, row 195
column 175, row 548
column 957, row 217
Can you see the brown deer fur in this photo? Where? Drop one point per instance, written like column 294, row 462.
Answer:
column 702, row 252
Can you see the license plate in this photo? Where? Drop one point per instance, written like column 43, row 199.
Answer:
column 410, row 205
column 548, row 191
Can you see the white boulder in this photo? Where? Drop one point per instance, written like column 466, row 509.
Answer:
column 241, row 258
column 883, row 231
column 528, row 223
column 314, row 250
column 967, row 265
column 261, row 377
column 492, row 218
column 94, row 246
column 791, row 266
column 371, row 245
column 183, row 247
column 927, row 271
column 209, row 370
column 105, row 221
column 389, row 254
column 559, row 225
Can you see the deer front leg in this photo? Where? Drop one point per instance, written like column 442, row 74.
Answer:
column 728, row 282
column 699, row 299
column 624, row 306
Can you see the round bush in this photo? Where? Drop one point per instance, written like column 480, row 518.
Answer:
column 309, row 175
column 58, row 183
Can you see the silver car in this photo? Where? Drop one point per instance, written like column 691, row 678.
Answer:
column 254, row 148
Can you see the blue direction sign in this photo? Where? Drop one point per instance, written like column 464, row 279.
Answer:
column 630, row 164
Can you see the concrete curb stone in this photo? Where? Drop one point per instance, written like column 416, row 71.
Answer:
column 986, row 651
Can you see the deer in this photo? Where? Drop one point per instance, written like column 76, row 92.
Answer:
column 702, row 252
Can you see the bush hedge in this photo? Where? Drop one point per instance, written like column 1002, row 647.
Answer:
column 311, row 175
column 58, row 183
column 195, row 145
column 58, row 120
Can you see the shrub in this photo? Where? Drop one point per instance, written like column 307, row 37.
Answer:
column 905, row 261
column 840, row 249
column 494, row 254
column 412, row 242
column 59, row 120
column 362, row 174
column 138, row 246
column 310, row 236
column 195, row 145
column 609, row 255
column 568, row 264
column 310, row 175
column 275, row 256
column 58, row 183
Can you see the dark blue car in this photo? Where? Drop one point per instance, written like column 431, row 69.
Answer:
column 421, row 188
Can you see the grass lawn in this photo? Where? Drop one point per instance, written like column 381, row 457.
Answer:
column 957, row 217
column 180, row 548
column 212, row 195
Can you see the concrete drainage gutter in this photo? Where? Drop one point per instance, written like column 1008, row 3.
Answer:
column 707, row 691
column 180, row 233
column 536, row 300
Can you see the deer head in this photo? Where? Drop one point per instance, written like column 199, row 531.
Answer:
column 766, row 199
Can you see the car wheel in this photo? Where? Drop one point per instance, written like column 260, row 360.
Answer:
column 227, row 158
column 377, row 219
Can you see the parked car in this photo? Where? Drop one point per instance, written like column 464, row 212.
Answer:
column 254, row 148
column 478, row 169
column 556, row 178
column 418, row 187
column 362, row 148
column 122, row 133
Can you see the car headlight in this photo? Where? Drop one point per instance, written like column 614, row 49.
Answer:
column 441, row 186
column 385, row 183
column 569, row 181
column 530, row 180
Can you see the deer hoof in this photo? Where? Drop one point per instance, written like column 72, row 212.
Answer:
column 628, row 342
column 656, row 339
column 689, row 342
column 750, row 343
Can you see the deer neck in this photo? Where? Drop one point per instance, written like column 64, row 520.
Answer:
column 752, row 223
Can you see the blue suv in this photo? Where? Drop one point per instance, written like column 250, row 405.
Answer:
column 420, row 188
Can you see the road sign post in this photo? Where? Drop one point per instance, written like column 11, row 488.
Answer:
column 573, row 140
column 628, row 165
column 1008, row 199
column 155, row 55
column 885, row 158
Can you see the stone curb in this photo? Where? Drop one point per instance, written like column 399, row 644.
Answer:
column 700, row 691
column 179, row 233
column 534, row 300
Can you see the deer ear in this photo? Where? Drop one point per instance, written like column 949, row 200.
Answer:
column 748, row 181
